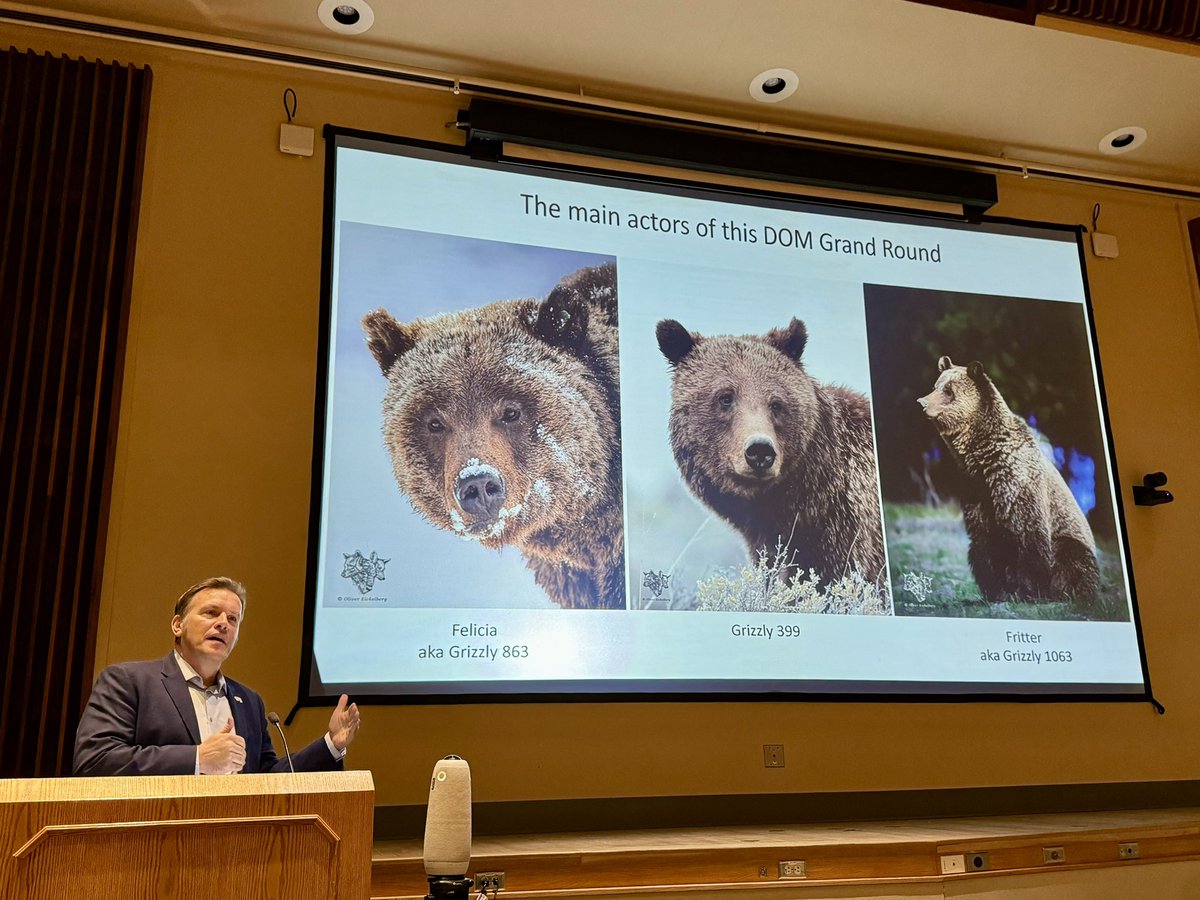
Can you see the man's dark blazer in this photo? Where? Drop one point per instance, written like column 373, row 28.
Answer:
column 140, row 720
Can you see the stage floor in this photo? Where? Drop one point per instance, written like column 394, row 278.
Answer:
column 909, row 856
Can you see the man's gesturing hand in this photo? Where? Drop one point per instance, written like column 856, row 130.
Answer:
column 223, row 752
column 343, row 724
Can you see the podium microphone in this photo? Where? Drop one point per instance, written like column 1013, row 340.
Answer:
column 273, row 718
column 447, row 850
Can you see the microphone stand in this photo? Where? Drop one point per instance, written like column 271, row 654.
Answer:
column 274, row 720
column 449, row 887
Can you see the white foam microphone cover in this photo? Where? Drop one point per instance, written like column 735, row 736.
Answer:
column 448, row 819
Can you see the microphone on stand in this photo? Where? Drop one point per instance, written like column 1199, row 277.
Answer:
column 273, row 718
column 447, row 849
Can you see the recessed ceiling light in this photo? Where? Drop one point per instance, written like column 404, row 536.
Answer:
column 774, row 85
column 346, row 16
column 1122, row 140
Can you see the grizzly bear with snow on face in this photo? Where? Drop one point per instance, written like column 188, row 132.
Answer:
column 503, row 427
column 1029, row 538
column 782, row 457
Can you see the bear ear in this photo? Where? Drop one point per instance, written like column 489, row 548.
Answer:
column 387, row 339
column 789, row 341
column 944, row 363
column 562, row 318
column 597, row 287
column 675, row 341
column 988, row 394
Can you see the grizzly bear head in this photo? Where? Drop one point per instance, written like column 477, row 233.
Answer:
column 743, row 409
column 961, row 399
column 496, row 419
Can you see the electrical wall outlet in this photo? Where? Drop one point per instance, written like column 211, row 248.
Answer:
column 1054, row 854
column 977, row 862
column 773, row 756
column 489, row 881
column 953, row 864
column 1130, row 850
column 792, row 868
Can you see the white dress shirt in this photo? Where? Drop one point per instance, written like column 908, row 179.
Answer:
column 210, row 703
column 212, row 707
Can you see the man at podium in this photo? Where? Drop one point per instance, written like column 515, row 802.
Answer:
column 180, row 715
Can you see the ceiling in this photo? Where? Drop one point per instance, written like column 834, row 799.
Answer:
column 889, row 70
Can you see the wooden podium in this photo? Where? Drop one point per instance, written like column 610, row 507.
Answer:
column 283, row 836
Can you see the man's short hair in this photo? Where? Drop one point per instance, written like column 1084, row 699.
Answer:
column 220, row 582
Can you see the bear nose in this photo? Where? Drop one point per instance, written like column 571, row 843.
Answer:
column 760, row 455
column 921, row 400
column 480, row 496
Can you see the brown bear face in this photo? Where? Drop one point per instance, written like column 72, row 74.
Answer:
column 742, row 406
column 491, row 421
column 960, row 397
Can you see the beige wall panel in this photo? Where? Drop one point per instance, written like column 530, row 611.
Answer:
column 213, row 466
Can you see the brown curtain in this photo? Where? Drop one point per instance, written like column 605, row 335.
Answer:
column 71, row 147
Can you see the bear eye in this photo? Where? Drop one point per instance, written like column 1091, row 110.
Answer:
column 948, row 391
column 777, row 407
column 510, row 414
column 725, row 399
column 436, row 425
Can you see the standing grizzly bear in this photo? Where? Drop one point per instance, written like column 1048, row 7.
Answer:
column 1029, row 538
column 503, row 427
column 785, row 459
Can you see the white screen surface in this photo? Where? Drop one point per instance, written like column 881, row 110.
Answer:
column 571, row 441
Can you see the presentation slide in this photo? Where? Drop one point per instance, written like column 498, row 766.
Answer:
column 580, row 436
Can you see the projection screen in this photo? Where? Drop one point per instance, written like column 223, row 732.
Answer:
column 602, row 438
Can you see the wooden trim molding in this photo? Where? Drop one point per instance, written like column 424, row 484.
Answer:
column 840, row 854
column 93, row 829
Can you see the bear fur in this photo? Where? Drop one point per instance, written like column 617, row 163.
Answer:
column 782, row 457
column 1029, row 537
column 503, row 427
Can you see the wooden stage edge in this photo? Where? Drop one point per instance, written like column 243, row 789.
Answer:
column 850, row 853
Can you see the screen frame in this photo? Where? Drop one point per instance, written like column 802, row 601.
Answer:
column 600, row 691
